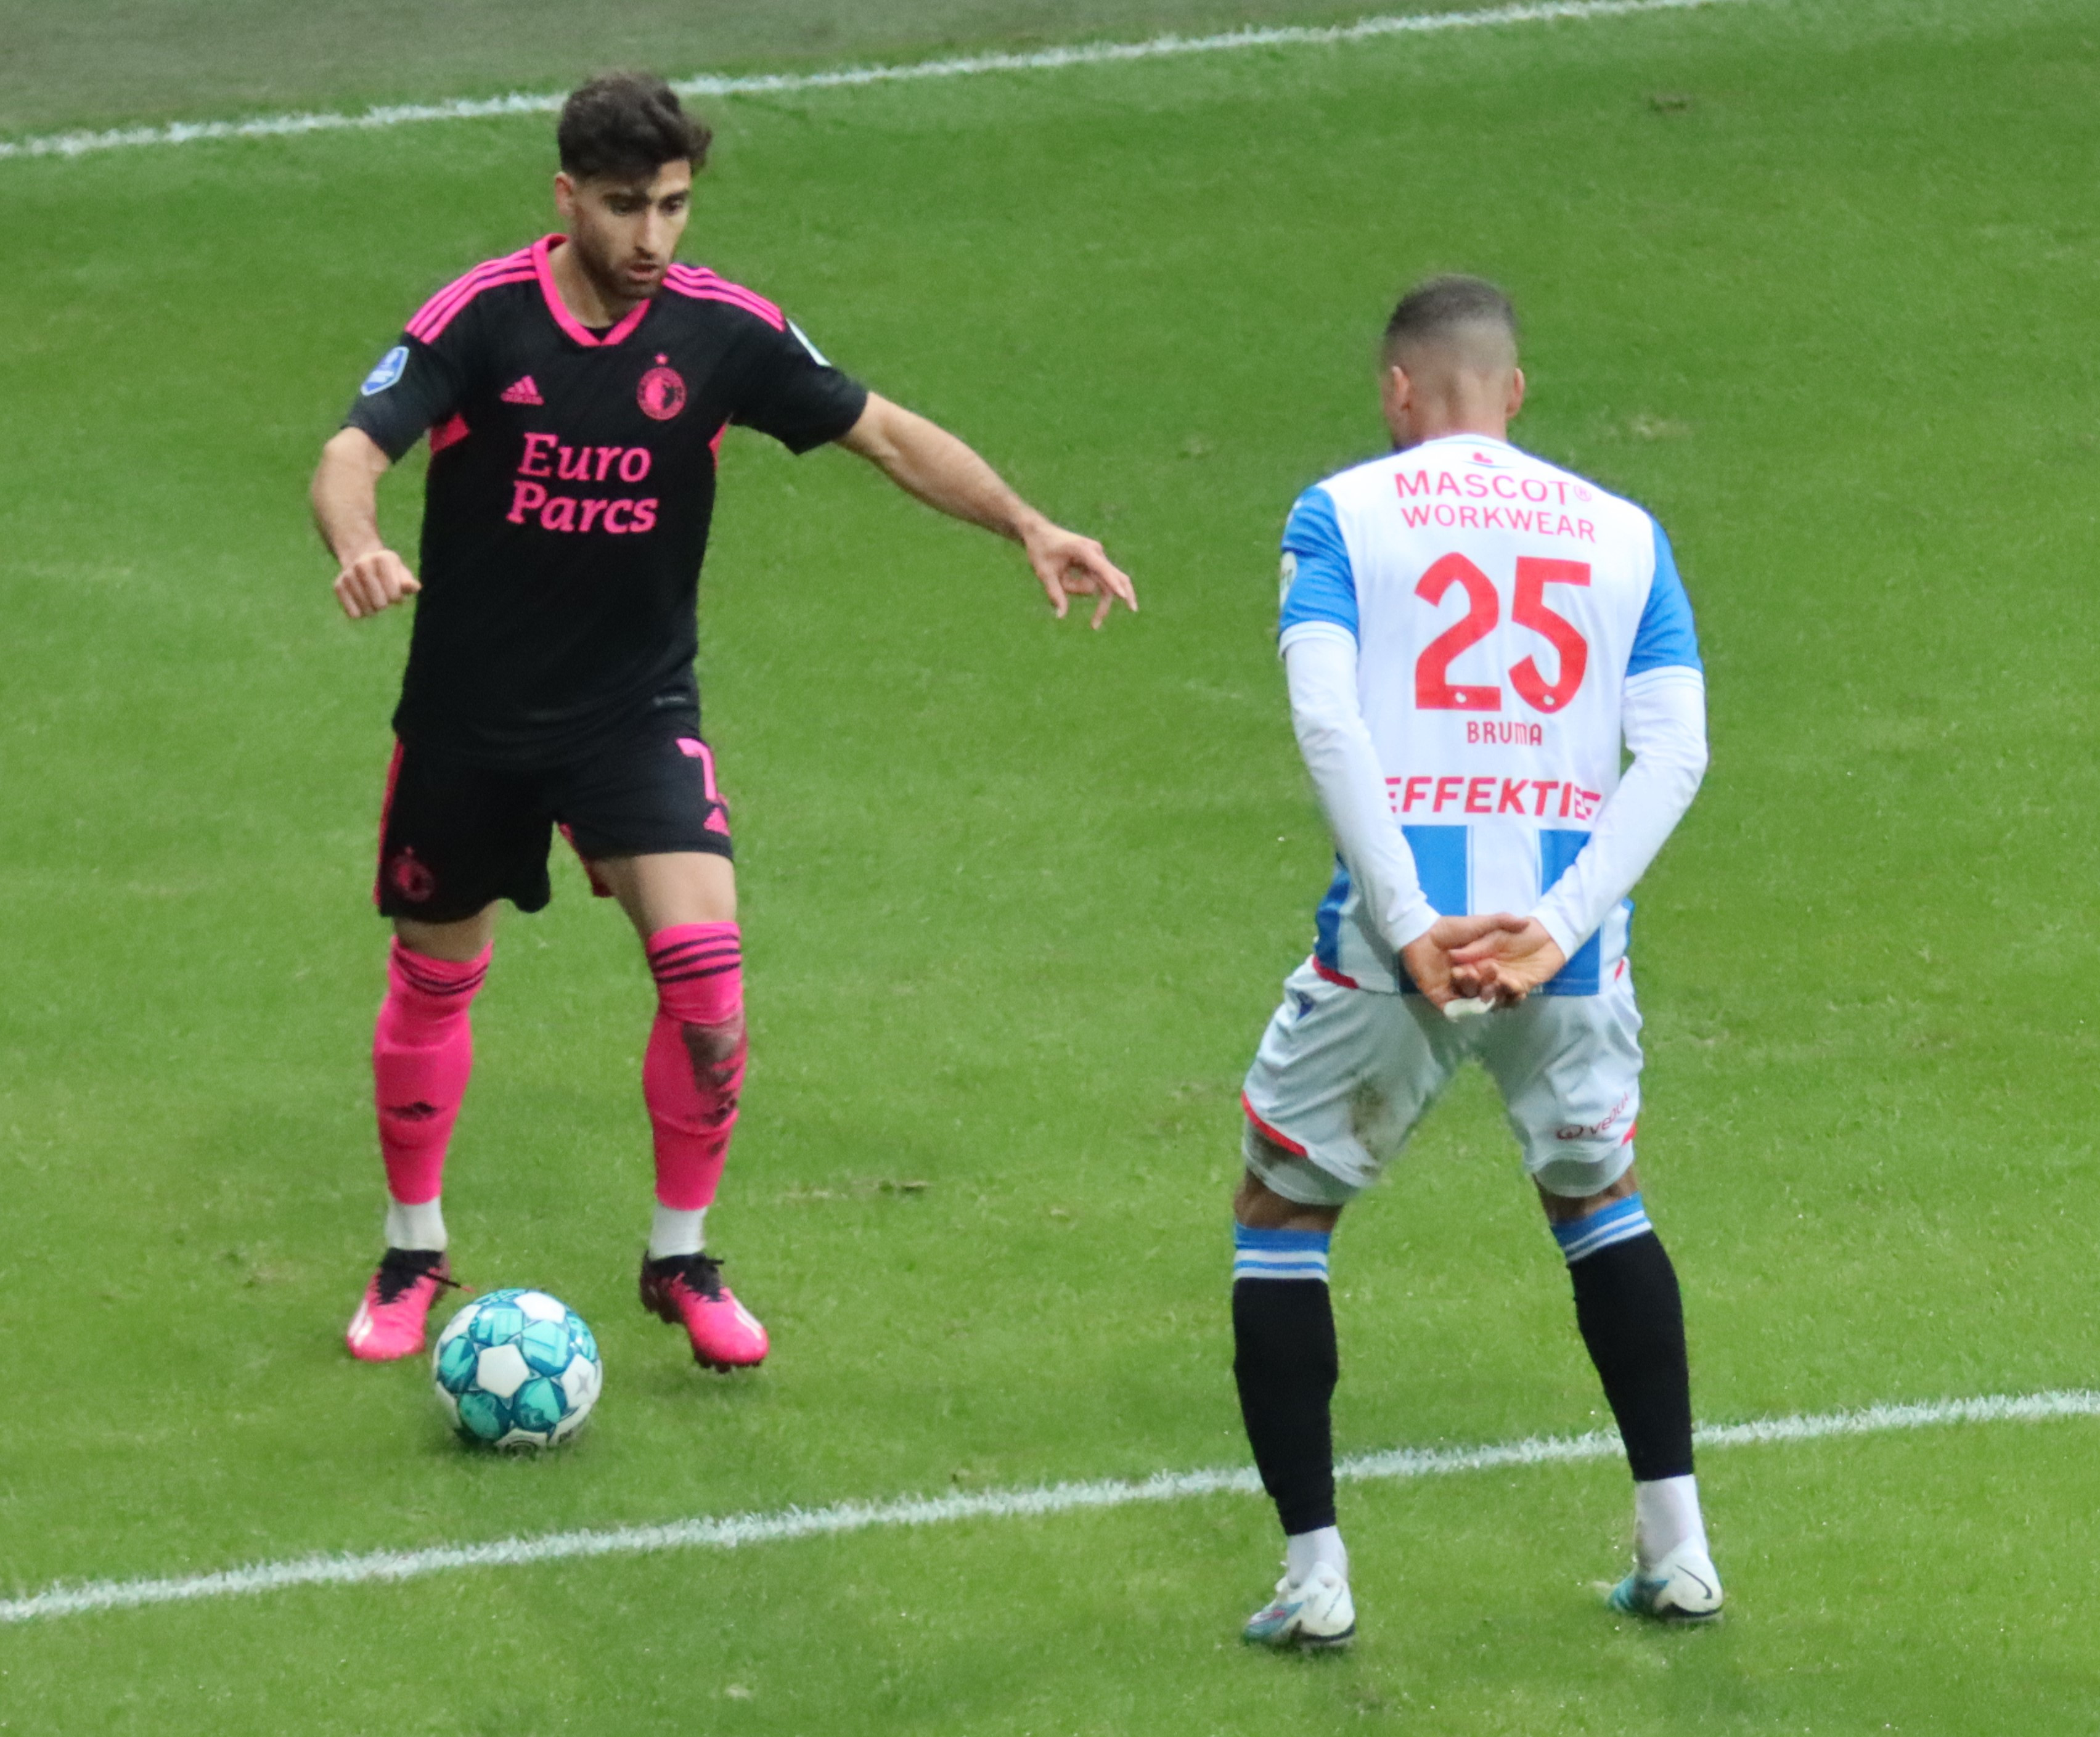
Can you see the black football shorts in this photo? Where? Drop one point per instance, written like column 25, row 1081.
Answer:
column 457, row 834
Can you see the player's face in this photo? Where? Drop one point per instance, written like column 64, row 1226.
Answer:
column 624, row 232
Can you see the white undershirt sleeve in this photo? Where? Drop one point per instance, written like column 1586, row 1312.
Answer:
column 1320, row 659
column 1663, row 717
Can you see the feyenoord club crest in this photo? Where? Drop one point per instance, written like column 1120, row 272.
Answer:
column 662, row 393
column 411, row 879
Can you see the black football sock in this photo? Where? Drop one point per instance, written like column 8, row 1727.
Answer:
column 1632, row 1318
column 1284, row 1360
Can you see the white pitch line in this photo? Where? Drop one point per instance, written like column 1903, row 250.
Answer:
column 736, row 1531
column 1046, row 59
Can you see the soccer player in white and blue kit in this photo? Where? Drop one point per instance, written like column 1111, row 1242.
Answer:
column 1470, row 635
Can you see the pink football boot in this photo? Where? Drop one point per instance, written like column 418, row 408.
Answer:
column 687, row 1290
column 389, row 1322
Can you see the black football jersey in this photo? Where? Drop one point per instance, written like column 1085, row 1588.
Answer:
column 571, row 484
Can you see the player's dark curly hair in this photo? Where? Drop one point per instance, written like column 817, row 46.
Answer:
column 627, row 125
column 1433, row 309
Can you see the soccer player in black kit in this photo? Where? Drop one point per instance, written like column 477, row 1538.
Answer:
column 575, row 395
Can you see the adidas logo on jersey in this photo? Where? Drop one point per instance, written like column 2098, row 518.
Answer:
column 522, row 391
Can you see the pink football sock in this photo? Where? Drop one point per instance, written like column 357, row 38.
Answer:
column 421, row 1054
column 698, row 968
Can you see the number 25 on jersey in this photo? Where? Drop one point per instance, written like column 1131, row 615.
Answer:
column 1434, row 690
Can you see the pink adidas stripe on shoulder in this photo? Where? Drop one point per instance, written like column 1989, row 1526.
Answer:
column 703, row 285
column 439, row 312
column 699, row 284
column 438, row 307
column 466, row 284
column 443, row 308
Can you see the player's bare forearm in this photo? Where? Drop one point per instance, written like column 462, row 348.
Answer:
column 345, row 494
column 370, row 576
column 927, row 462
column 930, row 464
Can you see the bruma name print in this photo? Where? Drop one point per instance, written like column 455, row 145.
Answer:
column 545, row 456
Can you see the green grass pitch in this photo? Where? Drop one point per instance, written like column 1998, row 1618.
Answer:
column 1816, row 282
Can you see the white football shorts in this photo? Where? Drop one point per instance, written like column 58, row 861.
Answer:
column 1343, row 1075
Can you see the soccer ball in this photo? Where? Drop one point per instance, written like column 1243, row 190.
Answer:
column 517, row 1368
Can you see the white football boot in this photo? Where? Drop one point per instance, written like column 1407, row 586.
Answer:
column 1683, row 1587
column 1316, row 1613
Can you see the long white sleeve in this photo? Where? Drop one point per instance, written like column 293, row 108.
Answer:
column 1663, row 714
column 1321, row 663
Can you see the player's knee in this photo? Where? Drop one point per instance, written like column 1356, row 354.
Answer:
column 1247, row 1197
column 713, row 1053
column 1258, row 1206
column 698, row 968
column 714, row 1047
column 1253, row 1200
column 1576, row 1193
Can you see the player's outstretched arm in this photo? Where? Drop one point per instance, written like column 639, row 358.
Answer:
column 925, row 461
column 370, row 576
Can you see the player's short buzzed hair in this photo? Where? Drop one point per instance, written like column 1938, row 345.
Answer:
column 1443, row 308
column 627, row 125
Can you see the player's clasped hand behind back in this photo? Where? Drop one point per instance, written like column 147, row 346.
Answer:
column 1457, row 964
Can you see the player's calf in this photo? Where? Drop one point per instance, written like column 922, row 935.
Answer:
column 691, row 1079
column 693, row 1074
column 422, row 1053
column 1285, row 1366
column 1631, row 1314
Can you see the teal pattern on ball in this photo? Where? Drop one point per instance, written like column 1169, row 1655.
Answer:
column 457, row 1363
column 496, row 1322
column 545, row 1346
column 538, row 1406
column 483, row 1416
column 549, row 1350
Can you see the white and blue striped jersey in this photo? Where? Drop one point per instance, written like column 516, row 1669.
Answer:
column 1498, row 606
